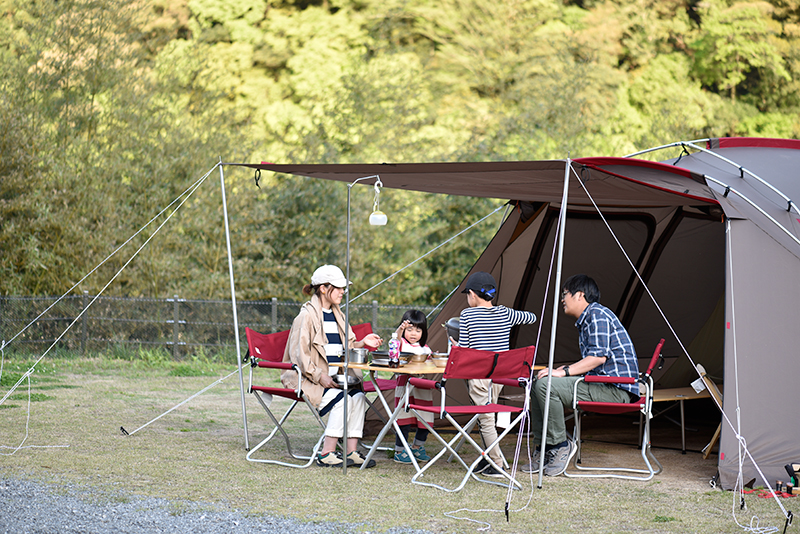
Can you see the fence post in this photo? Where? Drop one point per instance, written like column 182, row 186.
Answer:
column 83, row 322
column 274, row 314
column 175, row 328
column 374, row 315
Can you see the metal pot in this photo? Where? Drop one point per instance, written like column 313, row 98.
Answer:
column 358, row 355
column 453, row 326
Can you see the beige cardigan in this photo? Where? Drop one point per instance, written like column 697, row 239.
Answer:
column 306, row 349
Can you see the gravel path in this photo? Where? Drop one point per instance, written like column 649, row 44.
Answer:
column 31, row 508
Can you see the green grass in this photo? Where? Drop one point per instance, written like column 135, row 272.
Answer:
column 663, row 519
column 196, row 453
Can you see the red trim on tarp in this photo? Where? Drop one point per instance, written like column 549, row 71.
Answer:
column 734, row 142
column 632, row 162
column 597, row 163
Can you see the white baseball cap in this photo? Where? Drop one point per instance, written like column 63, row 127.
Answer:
column 329, row 274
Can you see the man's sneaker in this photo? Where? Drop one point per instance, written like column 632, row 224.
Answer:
column 556, row 460
column 532, row 467
column 420, row 454
column 402, row 457
column 359, row 460
column 332, row 459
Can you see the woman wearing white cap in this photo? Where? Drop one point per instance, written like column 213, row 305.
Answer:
column 315, row 340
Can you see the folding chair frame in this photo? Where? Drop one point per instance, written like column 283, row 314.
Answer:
column 518, row 371
column 463, row 432
column 265, row 395
column 468, row 428
column 644, row 405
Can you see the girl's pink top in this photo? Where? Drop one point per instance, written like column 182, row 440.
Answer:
column 414, row 348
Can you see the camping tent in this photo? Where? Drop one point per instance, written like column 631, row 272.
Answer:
column 713, row 235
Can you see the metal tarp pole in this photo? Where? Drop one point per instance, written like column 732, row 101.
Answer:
column 556, row 298
column 233, row 304
column 346, row 340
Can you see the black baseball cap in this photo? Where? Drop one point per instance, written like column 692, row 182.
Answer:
column 483, row 284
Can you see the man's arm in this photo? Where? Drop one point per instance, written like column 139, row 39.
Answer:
column 578, row 368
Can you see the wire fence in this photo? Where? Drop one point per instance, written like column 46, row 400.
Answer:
column 182, row 327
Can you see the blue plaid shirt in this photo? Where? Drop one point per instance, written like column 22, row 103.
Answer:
column 601, row 334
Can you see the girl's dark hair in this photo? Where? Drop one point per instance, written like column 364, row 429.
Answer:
column 418, row 319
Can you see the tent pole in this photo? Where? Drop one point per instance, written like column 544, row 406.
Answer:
column 556, row 298
column 345, row 341
column 233, row 303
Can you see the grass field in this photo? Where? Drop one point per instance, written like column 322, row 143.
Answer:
column 197, row 453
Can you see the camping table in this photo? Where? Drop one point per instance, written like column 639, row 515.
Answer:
column 680, row 395
column 411, row 368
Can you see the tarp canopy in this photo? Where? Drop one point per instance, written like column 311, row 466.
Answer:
column 717, row 248
column 534, row 181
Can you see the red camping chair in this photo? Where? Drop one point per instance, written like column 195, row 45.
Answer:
column 644, row 405
column 266, row 352
column 466, row 363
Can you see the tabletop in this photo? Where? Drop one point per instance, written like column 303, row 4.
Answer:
column 411, row 368
column 676, row 394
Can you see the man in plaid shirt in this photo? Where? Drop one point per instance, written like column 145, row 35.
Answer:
column 606, row 350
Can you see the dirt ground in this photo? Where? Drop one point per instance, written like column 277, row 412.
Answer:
column 614, row 441
column 610, row 439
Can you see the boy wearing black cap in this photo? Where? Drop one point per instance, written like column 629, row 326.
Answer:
column 487, row 327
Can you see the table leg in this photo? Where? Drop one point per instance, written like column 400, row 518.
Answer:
column 683, row 429
column 392, row 423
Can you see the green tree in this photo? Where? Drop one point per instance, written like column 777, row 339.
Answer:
column 735, row 40
column 122, row 138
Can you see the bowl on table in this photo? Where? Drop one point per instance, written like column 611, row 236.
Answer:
column 351, row 380
column 418, row 358
column 440, row 361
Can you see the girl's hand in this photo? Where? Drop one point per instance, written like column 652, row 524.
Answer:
column 402, row 328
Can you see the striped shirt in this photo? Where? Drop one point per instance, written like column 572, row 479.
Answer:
column 601, row 334
column 489, row 328
column 334, row 347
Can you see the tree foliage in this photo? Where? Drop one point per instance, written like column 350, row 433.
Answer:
column 110, row 111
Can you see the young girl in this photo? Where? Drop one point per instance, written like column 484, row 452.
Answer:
column 413, row 333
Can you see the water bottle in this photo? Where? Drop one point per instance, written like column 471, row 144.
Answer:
column 394, row 351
